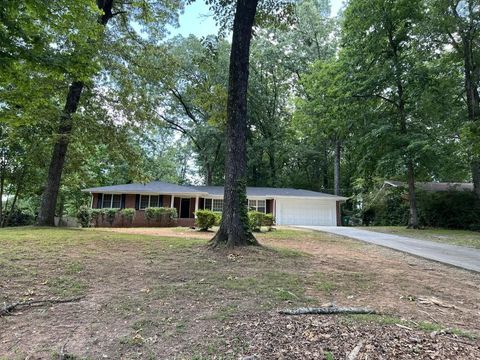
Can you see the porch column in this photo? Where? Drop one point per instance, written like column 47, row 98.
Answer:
column 171, row 201
column 196, row 206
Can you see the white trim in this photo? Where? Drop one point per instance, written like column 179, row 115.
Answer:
column 255, row 207
column 185, row 194
column 111, row 201
column 149, row 201
column 330, row 198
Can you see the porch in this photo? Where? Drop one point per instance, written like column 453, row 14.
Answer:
column 185, row 206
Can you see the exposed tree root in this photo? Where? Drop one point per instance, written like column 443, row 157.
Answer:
column 8, row 309
column 230, row 241
column 328, row 310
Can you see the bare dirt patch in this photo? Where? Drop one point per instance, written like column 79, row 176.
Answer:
column 149, row 296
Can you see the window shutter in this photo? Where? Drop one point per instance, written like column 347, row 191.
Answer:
column 122, row 202
column 99, row 201
column 137, row 201
column 160, row 201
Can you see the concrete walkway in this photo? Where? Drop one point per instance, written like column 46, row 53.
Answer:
column 463, row 257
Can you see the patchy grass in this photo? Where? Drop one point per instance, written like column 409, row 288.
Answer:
column 454, row 237
column 156, row 296
column 422, row 325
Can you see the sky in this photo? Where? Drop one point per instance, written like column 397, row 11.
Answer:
column 198, row 20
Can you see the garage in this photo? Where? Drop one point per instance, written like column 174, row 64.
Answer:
column 295, row 211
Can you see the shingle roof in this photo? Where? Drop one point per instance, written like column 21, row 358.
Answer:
column 435, row 186
column 162, row 187
column 268, row 191
column 153, row 187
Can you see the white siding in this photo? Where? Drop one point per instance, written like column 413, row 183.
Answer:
column 306, row 212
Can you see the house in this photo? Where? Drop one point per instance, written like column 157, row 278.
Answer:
column 432, row 186
column 289, row 206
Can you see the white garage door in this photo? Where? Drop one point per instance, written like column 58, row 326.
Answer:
column 306, row 212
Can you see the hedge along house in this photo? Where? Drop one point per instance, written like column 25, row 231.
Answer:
column 288, row 206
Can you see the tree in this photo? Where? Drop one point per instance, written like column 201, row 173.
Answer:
column 185, row 87
column 144, row 13
column 325, row 110
column 380, row 46
column 234, row 230
column 456, row 23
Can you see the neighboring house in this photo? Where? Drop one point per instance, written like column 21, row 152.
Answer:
column 289, row 206
column 432, row 186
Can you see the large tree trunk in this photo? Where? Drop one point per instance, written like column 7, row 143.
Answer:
column 20, row 181
column 413, row 219
column 476, row 177
column 46, row 214
column 48, row 203
column 234, row 230
column 473, row 101
column 336, row 168
column 2, row 184
column 325, row 166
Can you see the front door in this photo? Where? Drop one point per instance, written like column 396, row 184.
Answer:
column 185, row 209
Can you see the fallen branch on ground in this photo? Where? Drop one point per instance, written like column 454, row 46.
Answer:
column 354, row 353
column 328, row 310
column 8, row 309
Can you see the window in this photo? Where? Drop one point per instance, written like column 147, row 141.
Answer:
column 107, row 200
column 144, row 201
column 261, row 206
column 217, row 205
column 257, row 205
column 154, row 200
column 214, row 204
column 112, row 201
column 208, row 204
column 150, row 201
column 116, row 201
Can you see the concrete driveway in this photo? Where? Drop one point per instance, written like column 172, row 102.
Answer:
column 463, row 257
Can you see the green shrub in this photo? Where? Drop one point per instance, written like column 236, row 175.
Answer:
column 84, row 215
column 449, row 209
column 127, row 216
column 255, row 220
column 268, row 221
column 389, row 209
column 110, row 215
column 163, row 215
column 446, row 209
column 218, row 218
column 205, row 219
column 19, row 217
column 258, row 219
column 98, row 216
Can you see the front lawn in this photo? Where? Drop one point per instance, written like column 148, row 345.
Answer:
column 454, row 237
column 147, row 296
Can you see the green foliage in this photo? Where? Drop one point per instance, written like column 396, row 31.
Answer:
column 110, row 215
column 128, row 215
column 258, row 219
column 163, row 215
column 84, row 215
column 19, row 216
column 448, row 209
column 268, row 221
column 205, row 219
column 389, row 208
column 98, row 216
column 218, row 218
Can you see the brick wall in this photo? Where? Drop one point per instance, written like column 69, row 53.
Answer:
column 139, row 220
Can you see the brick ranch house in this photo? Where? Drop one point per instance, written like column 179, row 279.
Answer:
column 289, row 206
